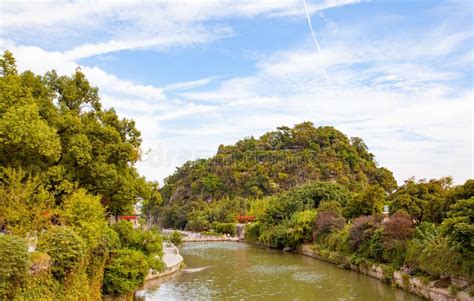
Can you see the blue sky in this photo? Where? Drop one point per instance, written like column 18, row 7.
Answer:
column 195, row 74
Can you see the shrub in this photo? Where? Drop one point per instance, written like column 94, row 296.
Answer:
column 361, row 230
column 327, row 222
column 274, row 236
column 252, row 232
column 129, row 237
column 338, row 240
column 151, row 243
column 197, row 223
column 85, row 214
column 125, row 272
column 156, row 263
column 66, row 249
column 13, row 265
column 397, row 230
column 300, row 228
column 398, row 227
column 376, row 247
column 112, row 239
column 423, row 235
column 225, row 228
column 176, row 238
column 24, row 200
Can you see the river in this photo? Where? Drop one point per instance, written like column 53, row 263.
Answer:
column 238, row 271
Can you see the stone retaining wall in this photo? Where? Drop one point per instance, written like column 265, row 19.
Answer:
column 172, row 260
column 404, row 281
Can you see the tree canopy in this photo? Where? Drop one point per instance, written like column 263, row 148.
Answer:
column 54, row 127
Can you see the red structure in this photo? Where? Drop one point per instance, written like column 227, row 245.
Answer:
column 131, row 218
column 246, row 218
column 127, row 217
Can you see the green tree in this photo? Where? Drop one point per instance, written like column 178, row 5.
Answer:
column 369, row 202
column 26, row 204
column 54, row 127
column 7, row 64
column 424, row 201
column 459, row 226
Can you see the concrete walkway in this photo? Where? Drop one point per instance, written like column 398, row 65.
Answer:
column 172, row 260
column 188, row 236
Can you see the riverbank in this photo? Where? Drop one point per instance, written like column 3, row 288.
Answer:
column 188, row 236
column 172, row 260
column 412, row 284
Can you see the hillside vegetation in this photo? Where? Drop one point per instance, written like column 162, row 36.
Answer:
column 308, row 185
column 276, row 162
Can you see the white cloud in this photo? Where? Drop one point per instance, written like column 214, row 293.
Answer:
column 134, row 25
column 189, row 84
column 160, row 42
column 396, row 91
column 112, row 84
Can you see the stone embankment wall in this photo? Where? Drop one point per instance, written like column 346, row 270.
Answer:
column 172, row 260
column 209, row 239
column 404, row 281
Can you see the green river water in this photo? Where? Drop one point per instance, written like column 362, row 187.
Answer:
column 238, row 271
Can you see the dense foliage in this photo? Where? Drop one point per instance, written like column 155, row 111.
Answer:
column 125, row 272
column 275, row 163
column 308, row 184
column 67, row 164
column 13, row 265
column 432, row 247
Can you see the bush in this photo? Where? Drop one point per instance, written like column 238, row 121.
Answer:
column 275, row 236
column 424, row 234
column 112, row 239
column 429, row 248
column 252, row 232
column 225, row 228
column 398, row 227
column 362, row 230
column 197, row 223
column 334, row 206
column 66, row 249
column 125, row 273
column 176, row 238
column 151, row 243
column 129, row 237
column 13, row 265
column 327, row 222
column 376, row 247
column 338, row 240
column 397, row 230
column 85, row 214
column 300, row 228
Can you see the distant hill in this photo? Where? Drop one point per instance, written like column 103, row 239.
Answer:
column 276, row 162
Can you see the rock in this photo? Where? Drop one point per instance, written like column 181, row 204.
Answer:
column 443, row 282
